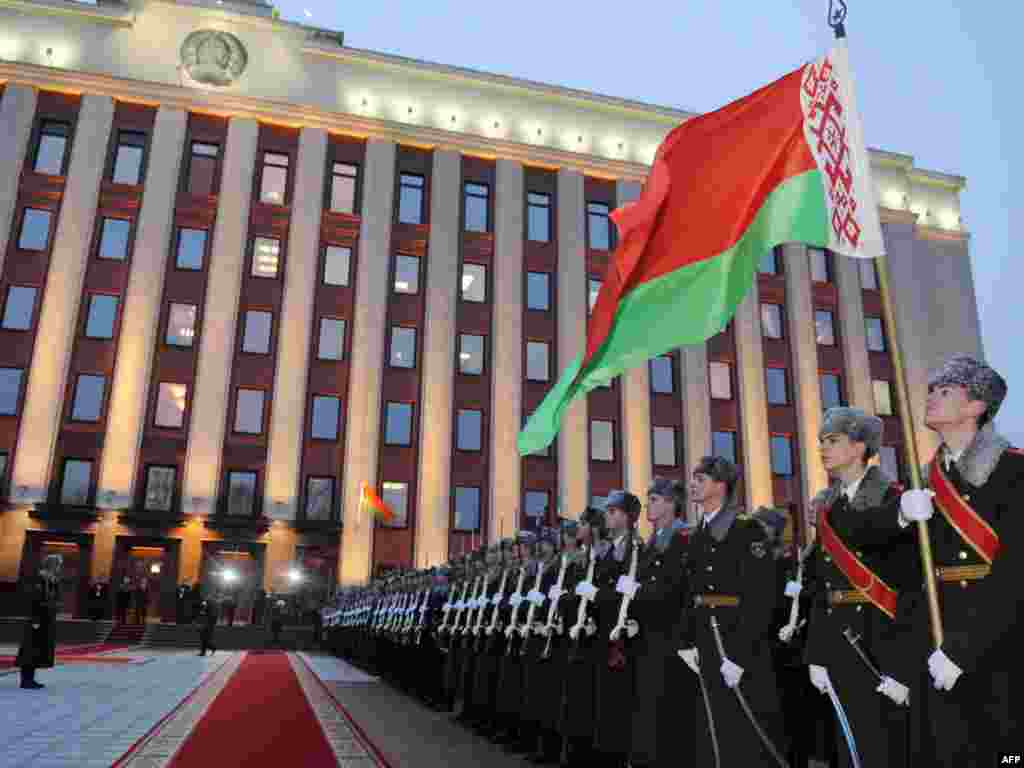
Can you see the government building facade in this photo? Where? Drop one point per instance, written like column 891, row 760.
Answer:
column 246, row 268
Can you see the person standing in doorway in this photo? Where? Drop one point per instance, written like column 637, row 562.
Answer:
column 124, row 599
column 141, row 600
column 39, row 640
column 207, row 622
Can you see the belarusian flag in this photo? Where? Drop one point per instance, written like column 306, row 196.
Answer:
column 381, row 511
column 784, row 164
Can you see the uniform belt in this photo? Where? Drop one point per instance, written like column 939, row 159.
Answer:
column 847, row 597
column 962, row 572
column 716, row 601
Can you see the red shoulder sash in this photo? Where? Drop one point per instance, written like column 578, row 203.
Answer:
column 866, row 581
column 958, row 513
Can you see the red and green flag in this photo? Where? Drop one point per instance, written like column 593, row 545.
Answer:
column 784, row 164
column 381, row 511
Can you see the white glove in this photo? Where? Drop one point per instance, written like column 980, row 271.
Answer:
column 632, row 628
column 944, row 672
column 515, row 599
column 898, row 692
column 590, row 627
column 535, row 597
column 786, row 633
column 916, row 505
column 496, row 600
column 793, row 588
column 731, row 673
column 555, row 592
column 586, row 589
column 626, row 586
column 820, row 678
column 691, row 657
column 35, row 626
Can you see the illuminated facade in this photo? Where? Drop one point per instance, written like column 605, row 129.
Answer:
column 245, row 268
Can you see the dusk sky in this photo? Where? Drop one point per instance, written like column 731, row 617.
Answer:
column 934, row 81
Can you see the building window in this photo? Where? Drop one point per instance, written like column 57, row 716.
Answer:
column 35, row 230
column 337, row 259
column 771, row 321
column 467, row 508
column 538, row 291
column 256, row 335
column 538, row 217
column 662, row 375
column 831, row 391
column 274, row 181
column 202, row 169
column 3, row 475
column 181, row 325
column 782, row 455
column 889, row 461
column 818, row 258
column 474, row 282
column 723, row 444
column 398, row 424
column 599, row 226
column 266, row 252
column 88, row 402
column 343, row 187
column 170, row 405
column 131, row 146
column 593, row 291
column 319, row 498
column 775, row 381
column 249, row 411
column 191, row 249
column 868, row 274
column 396, row 496
column 114, row 234
column 875, row 334
column 403, row 347
column 326, row 413
column 76, row 482
column 469, row 427
column 241, row 494
column 883, row 397
column 407, row 274
column 332, row 339
column 720, row 379
column 102, row 315
column 52, row 148
column 602, row 440
column 769, row 263
column 10, row 390
column 410, row 200
column 537, row 361
column 19, row 308
column 665, row 447
column 471, row 354
column 535, row 505
column 159, row 489
column 476, row 206
column 824, row 328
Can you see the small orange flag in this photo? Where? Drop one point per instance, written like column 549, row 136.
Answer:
column 381, row 510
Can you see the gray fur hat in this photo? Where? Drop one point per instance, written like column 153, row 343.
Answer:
column 980, row 380
column 854, row 423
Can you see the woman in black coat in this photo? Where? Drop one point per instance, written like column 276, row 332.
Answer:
column 39, row 641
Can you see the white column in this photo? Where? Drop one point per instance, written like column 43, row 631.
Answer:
column 506, row 348
column 852, row 332
column 438, row 386
column 696, row 410
column 44, row 397
column 755, row 449
column 141, row 315
column 574, row 435
column 636, row 404
column 283, row 488
column 368, row 327
column 803, row 344
column 17, row 110
column 220, row 317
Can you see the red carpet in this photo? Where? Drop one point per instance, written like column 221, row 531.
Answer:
column 72, row 653
column 260, row 720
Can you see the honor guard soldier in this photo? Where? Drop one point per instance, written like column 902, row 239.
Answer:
column 727, row 637
column 663, row 708
column 855, row 644
column 511, row 686
column 490, row 641
column 972, row 503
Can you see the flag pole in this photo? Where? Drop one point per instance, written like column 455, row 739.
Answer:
column 836, row 19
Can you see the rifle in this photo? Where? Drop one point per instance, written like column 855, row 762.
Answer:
column 515, row 600
column 616, row 647
column 423, row 616
column 496, row 603
column 532, row 596
column 581, row 613
column 549, row 628
column 479, row 625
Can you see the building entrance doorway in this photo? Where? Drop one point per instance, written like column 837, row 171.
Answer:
column 75, row 551
column 144, row 579
column 231, row 575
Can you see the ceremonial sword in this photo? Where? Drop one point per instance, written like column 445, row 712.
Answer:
column 711, row 717
column 844, row 723
column 746, row 707
column 854, row 640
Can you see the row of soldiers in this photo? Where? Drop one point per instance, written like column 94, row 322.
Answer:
column 588, row 646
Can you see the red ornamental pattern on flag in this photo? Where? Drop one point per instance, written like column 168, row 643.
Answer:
column 825, row 122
